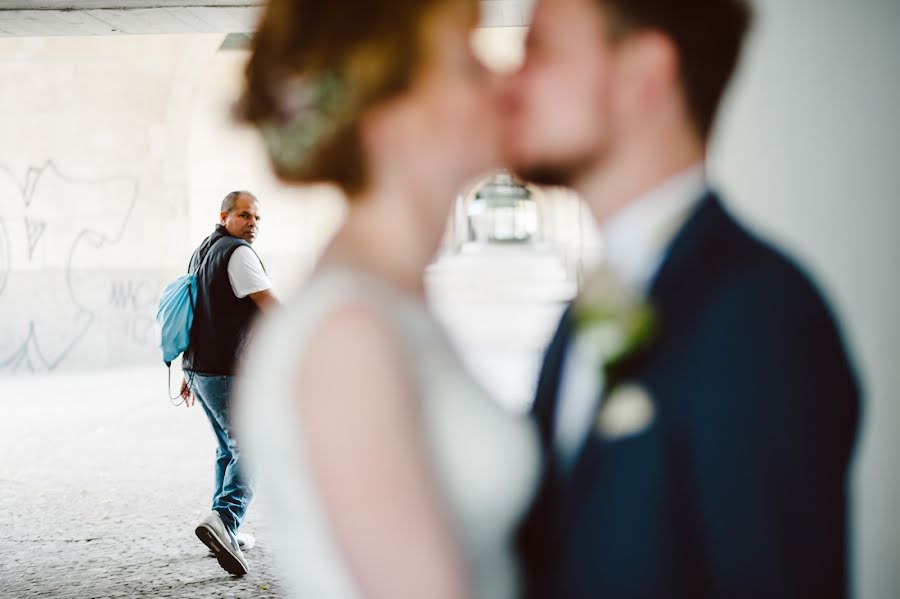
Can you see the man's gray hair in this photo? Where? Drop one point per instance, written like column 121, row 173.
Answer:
column 231, row 199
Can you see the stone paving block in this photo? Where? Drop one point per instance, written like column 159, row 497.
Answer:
column 101, row 485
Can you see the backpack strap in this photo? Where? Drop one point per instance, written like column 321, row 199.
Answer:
column 190, row 378
column 205, row 257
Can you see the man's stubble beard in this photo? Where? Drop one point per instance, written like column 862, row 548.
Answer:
column 559, row 174
column 543, row 175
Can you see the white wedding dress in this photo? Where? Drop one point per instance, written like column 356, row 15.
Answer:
column 486, row 459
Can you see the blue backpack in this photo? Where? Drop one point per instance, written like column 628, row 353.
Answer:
column 175, row 317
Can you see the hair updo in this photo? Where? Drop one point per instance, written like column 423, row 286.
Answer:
column 317, row 66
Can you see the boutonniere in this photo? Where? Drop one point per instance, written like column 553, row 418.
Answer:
column 627, row 411
column 611, row 322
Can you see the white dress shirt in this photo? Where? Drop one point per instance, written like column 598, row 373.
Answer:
column 635, row 241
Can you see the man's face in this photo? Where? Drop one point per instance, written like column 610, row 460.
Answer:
column 559, row 104
column 243, row 221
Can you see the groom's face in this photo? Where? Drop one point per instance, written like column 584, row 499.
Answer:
column 559, row 105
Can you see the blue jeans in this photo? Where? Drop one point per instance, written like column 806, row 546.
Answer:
column 233, row 491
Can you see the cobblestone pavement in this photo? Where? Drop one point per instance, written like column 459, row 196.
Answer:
column 101, row 484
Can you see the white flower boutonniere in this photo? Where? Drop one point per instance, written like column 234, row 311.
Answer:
column 611, row 322
column 628, row 411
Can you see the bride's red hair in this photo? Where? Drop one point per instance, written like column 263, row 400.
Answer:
column 317, row 66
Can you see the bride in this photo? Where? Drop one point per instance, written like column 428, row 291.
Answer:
column 388, row 472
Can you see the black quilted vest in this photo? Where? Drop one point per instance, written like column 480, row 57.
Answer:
column 221, row 320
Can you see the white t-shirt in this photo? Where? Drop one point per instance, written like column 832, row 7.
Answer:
column 245, row 272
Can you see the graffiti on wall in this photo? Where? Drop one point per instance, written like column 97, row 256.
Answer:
column 56, row 233
column 134, row 302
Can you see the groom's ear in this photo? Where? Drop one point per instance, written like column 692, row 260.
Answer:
column 647, row 76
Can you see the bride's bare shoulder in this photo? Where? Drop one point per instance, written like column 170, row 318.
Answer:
column 354, row 354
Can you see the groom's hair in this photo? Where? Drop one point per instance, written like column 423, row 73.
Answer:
column 708, row 35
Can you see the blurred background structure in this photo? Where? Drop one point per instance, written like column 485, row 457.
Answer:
column 117, row 145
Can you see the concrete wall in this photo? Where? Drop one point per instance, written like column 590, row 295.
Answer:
column 94, row 188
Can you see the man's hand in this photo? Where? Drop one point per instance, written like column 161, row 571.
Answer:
column 186, row 394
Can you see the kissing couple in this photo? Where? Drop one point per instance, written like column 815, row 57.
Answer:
column 696, row 409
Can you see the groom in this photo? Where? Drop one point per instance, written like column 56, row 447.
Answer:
column 696, row 407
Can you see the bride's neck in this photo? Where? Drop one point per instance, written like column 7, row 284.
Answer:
column 386, row 233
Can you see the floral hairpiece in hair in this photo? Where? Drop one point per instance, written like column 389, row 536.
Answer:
column 310, row 109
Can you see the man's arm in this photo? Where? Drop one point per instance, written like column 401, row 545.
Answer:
column 768, row 440
column 264, row 300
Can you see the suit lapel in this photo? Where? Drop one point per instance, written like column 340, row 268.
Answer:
column 706, row 220
column 546, row 397
column 670, row 285
column 666, row 288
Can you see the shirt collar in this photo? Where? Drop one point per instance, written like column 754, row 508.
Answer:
column 635, row 239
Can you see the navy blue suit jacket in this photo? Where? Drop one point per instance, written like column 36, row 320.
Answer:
column 738, row 487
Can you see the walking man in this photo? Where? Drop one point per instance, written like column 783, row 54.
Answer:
column 232, row 288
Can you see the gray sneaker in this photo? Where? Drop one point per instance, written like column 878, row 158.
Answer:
column 245, row 541
column 215, row 535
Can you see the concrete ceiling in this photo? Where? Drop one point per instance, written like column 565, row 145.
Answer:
column 26, row 18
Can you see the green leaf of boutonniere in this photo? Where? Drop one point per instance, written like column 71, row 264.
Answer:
column 611, row 321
